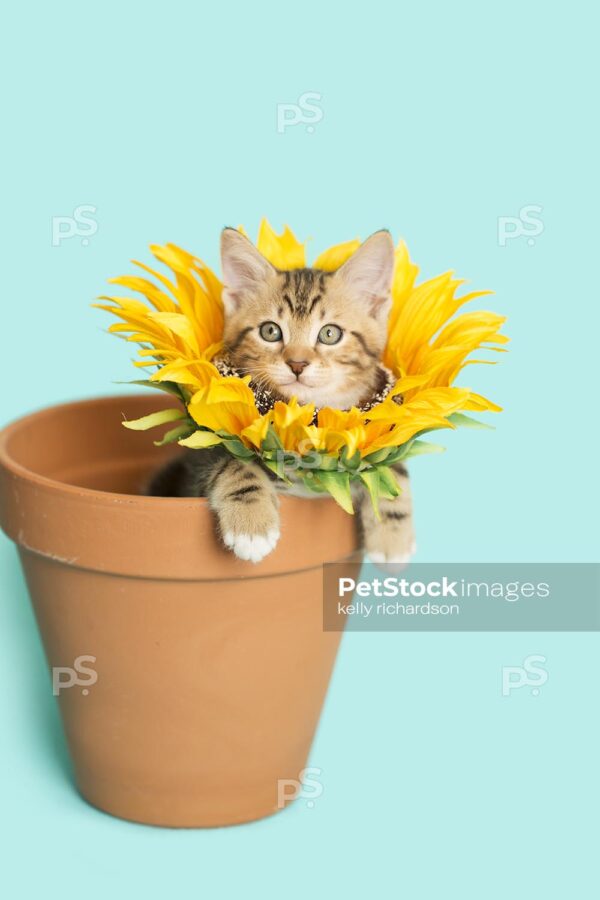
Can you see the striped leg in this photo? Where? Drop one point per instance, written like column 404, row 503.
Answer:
column 245, row 503
column 391, row 538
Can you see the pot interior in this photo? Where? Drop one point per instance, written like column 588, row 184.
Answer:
column 85, row 445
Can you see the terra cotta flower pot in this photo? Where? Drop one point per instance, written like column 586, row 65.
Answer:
column 203, row 676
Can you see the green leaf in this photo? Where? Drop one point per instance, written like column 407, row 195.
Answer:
column 370, row 478
column 378, row 456
column 350, row 462
column 327, row 463
column 201, row 439
column 175, row 434
column 399, row 452
column 463, row 421
column 238, row 449
column 169, row 387
column 388, row 484
column 271, row 442
column 311, row 483
column 419, row 448
column 338, row 485
column 276, row 466
column 155, row 419
column 310, row 461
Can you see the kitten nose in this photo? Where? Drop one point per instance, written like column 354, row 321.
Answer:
column 297, row 366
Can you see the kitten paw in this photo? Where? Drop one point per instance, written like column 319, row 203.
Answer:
column 248, row 517
column 252, row 547
column 377, row 556
column 391, row 555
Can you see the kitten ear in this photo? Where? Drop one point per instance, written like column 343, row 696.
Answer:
column 367, row 275
column 243, row 268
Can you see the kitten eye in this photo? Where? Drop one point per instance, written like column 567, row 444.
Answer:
column 270, row 331
column 330, row 334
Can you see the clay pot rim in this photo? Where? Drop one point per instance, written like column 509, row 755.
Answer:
column 16, row 468
column 117, row 533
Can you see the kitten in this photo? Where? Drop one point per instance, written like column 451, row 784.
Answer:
column 318, row 336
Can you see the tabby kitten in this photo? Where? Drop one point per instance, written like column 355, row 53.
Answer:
column 318, row 336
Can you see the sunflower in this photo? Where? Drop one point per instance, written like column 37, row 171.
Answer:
column 179, row 328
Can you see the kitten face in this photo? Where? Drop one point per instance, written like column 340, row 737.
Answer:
column 314, row 335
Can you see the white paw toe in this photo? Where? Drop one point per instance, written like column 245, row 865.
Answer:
column 252, row 547
column 399, row 560
column 375, row 557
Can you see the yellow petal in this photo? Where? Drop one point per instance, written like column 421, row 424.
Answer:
column 195, row 373
column 336, row 256
column 284, row 250
column 154, row 419
column 200, row 440
column 256, row 432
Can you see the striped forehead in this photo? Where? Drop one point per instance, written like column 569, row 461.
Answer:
column 302, row 291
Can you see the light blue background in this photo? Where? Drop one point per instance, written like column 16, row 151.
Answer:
column 437, row 119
